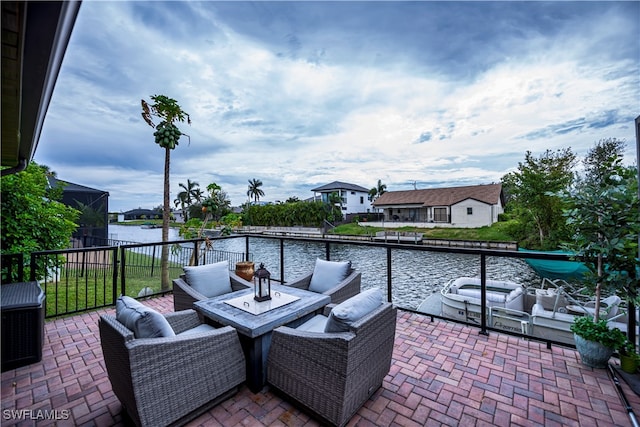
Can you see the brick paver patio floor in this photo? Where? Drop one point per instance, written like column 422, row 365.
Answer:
column 442, row 374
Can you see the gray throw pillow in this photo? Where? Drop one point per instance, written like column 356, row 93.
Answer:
column 355, row 308
column 143, row 321
column 327, row 274
column 210, row 280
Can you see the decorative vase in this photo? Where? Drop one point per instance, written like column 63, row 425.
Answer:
column 592, row 353
column 629, row 363
column 245, row 270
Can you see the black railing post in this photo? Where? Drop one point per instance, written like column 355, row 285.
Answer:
column 123, row 263
column 483, row 295
column 327, row 250
column 33, row 266
column 21, row 267
column 196, row 255
column 389, row 298
column 114, row 283
column 153, row 260
column 281, row 261
column 246, row 248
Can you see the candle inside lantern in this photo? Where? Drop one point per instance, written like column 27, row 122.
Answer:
column 262, row 284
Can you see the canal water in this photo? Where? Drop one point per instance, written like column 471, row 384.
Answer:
column 415, row 274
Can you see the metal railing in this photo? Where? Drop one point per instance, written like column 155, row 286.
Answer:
column 83, row 279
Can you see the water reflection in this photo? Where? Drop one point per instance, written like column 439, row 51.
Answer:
column 415, row 274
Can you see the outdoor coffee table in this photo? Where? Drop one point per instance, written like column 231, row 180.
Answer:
column 255, row 322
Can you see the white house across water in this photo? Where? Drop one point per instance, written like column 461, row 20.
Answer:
column 462, row 207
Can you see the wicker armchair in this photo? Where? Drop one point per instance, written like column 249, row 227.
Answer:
column 184, row 295
column 344, row 290
column 161, row 381
column 333, row 374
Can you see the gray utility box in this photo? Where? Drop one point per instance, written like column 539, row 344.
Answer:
column 22, row 306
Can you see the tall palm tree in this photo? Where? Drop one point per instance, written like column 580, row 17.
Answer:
column 254, row 190
column 166, row 136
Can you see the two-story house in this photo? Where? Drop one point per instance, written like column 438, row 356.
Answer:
column 353, row 198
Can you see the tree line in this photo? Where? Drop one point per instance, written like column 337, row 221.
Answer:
column 542, row 190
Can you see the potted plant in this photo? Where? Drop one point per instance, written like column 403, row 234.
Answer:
column 595, row 341
column 602, row 214
column 629, row 358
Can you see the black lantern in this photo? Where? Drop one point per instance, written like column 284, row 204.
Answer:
column 262, row 284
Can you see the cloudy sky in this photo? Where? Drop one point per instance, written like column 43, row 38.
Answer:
column 300, row 94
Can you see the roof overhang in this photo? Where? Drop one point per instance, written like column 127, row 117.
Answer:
column 399, row 206
column 35, row 35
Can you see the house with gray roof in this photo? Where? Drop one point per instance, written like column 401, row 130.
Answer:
column 469, row 206
column 354, row 198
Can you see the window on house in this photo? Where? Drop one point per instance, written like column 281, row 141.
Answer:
column 440, row 214
column 361, row 200
column 469, row 211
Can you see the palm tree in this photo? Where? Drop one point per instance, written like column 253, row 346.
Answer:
column 335, row 203
column 166, row 136
column 254, row 190
column 191, row 192
column 377, row 191
column 181, row 201
column 198, row 194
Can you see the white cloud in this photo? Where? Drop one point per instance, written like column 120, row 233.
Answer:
column 299, row 95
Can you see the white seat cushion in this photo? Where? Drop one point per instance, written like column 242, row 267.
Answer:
column 355, row 308
column 210, row 280
column 143, row 321
column 327, row 274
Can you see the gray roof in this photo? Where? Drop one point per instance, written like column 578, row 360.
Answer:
column 71, row 187
column 337, row 185
column 141, row 211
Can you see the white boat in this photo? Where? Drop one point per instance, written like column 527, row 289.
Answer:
column 546, row 312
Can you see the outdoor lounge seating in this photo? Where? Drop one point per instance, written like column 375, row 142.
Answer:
column 171, row 378
column 331, row 373
column 334, row 278
column 203, row 282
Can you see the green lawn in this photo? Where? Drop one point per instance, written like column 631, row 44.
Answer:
column 85, row 285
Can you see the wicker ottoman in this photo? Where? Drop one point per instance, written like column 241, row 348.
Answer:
column 22, row 306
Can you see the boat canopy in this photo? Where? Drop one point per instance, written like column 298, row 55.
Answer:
column 553, row 269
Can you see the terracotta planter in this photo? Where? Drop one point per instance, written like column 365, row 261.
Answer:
column 592, row 353
column 245, row 269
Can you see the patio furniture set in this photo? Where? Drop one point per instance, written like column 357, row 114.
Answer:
column 319, row 341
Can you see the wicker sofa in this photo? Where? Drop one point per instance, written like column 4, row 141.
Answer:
column 184, row 295
column 333, row 374
column 170, row 380
column 340, row 291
